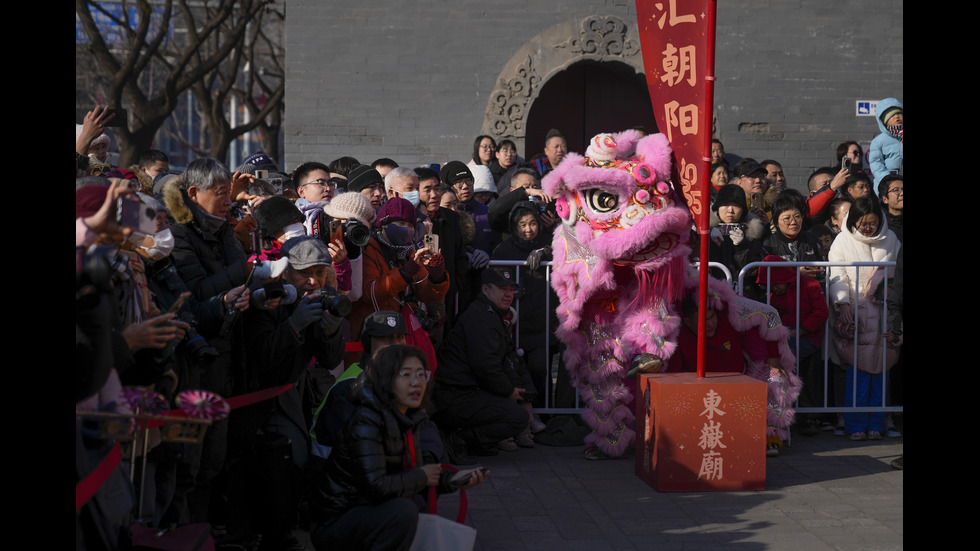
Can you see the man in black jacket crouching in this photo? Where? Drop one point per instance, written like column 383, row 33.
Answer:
column 476, row 399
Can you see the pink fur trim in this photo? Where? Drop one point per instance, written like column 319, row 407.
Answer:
column 656, row 151
column 552, row 181
column 620, row 243
column 626, row 142
column 613, row 435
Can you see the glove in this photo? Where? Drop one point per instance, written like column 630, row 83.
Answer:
column 478, row 259
column 737, row 235
column 329, row 324
column 307, row 311
column 716, row 235
column 437, row 268
column 409, row 269
column 260, row 297
column 534, row 259
column 270, row 269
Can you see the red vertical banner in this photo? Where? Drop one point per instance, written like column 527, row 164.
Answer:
column 678, row 42
column 677, row 38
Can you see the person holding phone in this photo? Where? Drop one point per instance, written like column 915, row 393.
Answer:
column 737, row 236
column 357, row 499
column 397, row 272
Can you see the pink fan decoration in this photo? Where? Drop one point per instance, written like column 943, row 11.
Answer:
column 144, row 401
column 201, row 404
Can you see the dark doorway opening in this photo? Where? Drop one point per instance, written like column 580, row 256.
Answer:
column 586, row 99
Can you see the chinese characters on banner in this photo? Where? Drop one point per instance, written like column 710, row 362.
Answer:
column 676, row 51
column 712, row 463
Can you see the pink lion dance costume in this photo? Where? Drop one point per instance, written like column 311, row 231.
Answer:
column 620, row 265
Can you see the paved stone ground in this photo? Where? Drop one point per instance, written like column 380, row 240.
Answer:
column 822, row 493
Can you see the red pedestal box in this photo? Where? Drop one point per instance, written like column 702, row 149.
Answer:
column 701, row 435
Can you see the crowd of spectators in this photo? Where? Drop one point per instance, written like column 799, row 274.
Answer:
column 235, row 282
column 755, row 217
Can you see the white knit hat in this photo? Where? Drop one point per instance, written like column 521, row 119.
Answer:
column 351, row 205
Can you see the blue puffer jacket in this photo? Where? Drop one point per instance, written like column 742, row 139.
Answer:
column 886, row 150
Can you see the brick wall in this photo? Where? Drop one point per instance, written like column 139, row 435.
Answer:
column 411, row 80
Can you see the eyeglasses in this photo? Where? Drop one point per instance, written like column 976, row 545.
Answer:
column 412, row 376
column 867, row 225
column 486, row 148
column 320, row 182
column 465, row 182
column 896, row 191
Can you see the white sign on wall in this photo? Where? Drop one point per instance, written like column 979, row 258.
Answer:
column 865, row 108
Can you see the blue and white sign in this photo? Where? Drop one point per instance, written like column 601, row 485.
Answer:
column 865, row 108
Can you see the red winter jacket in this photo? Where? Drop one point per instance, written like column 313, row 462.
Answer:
column 813, row 307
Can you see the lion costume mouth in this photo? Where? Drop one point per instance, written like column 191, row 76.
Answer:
column 667, row 242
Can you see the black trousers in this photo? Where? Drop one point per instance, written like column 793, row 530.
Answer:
column 389, row 526
column 482, row 418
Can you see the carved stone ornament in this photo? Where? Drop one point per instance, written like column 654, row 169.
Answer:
column 508, row 102
column 597, row 38
column 602, row 36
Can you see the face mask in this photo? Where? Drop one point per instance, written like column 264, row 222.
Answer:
column 293, row 230
column 412, row 197
column 163, row 245
column 399, row 235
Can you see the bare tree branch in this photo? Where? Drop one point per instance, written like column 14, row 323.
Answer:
column 208, row 53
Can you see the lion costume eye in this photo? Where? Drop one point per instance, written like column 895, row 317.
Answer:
column 601, row 201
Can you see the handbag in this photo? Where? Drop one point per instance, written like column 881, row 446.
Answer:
column 436, row 533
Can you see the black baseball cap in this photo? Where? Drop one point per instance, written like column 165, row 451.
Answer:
column 384, row 323
column 501, row 276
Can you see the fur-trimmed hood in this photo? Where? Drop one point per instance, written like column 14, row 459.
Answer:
column 177, row 202
column 755, row 229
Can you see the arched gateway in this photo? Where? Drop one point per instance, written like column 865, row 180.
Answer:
column 583, row 77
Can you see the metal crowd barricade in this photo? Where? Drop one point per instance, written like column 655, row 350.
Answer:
column 551, row 376
column 828, row 327
column 712, row 265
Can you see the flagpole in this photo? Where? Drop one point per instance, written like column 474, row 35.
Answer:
column 703, row 230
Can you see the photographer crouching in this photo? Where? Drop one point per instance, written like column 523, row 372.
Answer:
column 282, row 343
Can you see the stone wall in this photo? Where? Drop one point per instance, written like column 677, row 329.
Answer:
column 418, row 81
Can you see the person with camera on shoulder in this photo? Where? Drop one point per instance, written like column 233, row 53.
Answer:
column 281, row 345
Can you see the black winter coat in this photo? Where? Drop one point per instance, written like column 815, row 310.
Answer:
column 805, row 248
column 210, row 261
column 537, row 300
column 368, row 468
column 735, row 257
column 474, row 354
column 446, row 226
column 276, row 355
